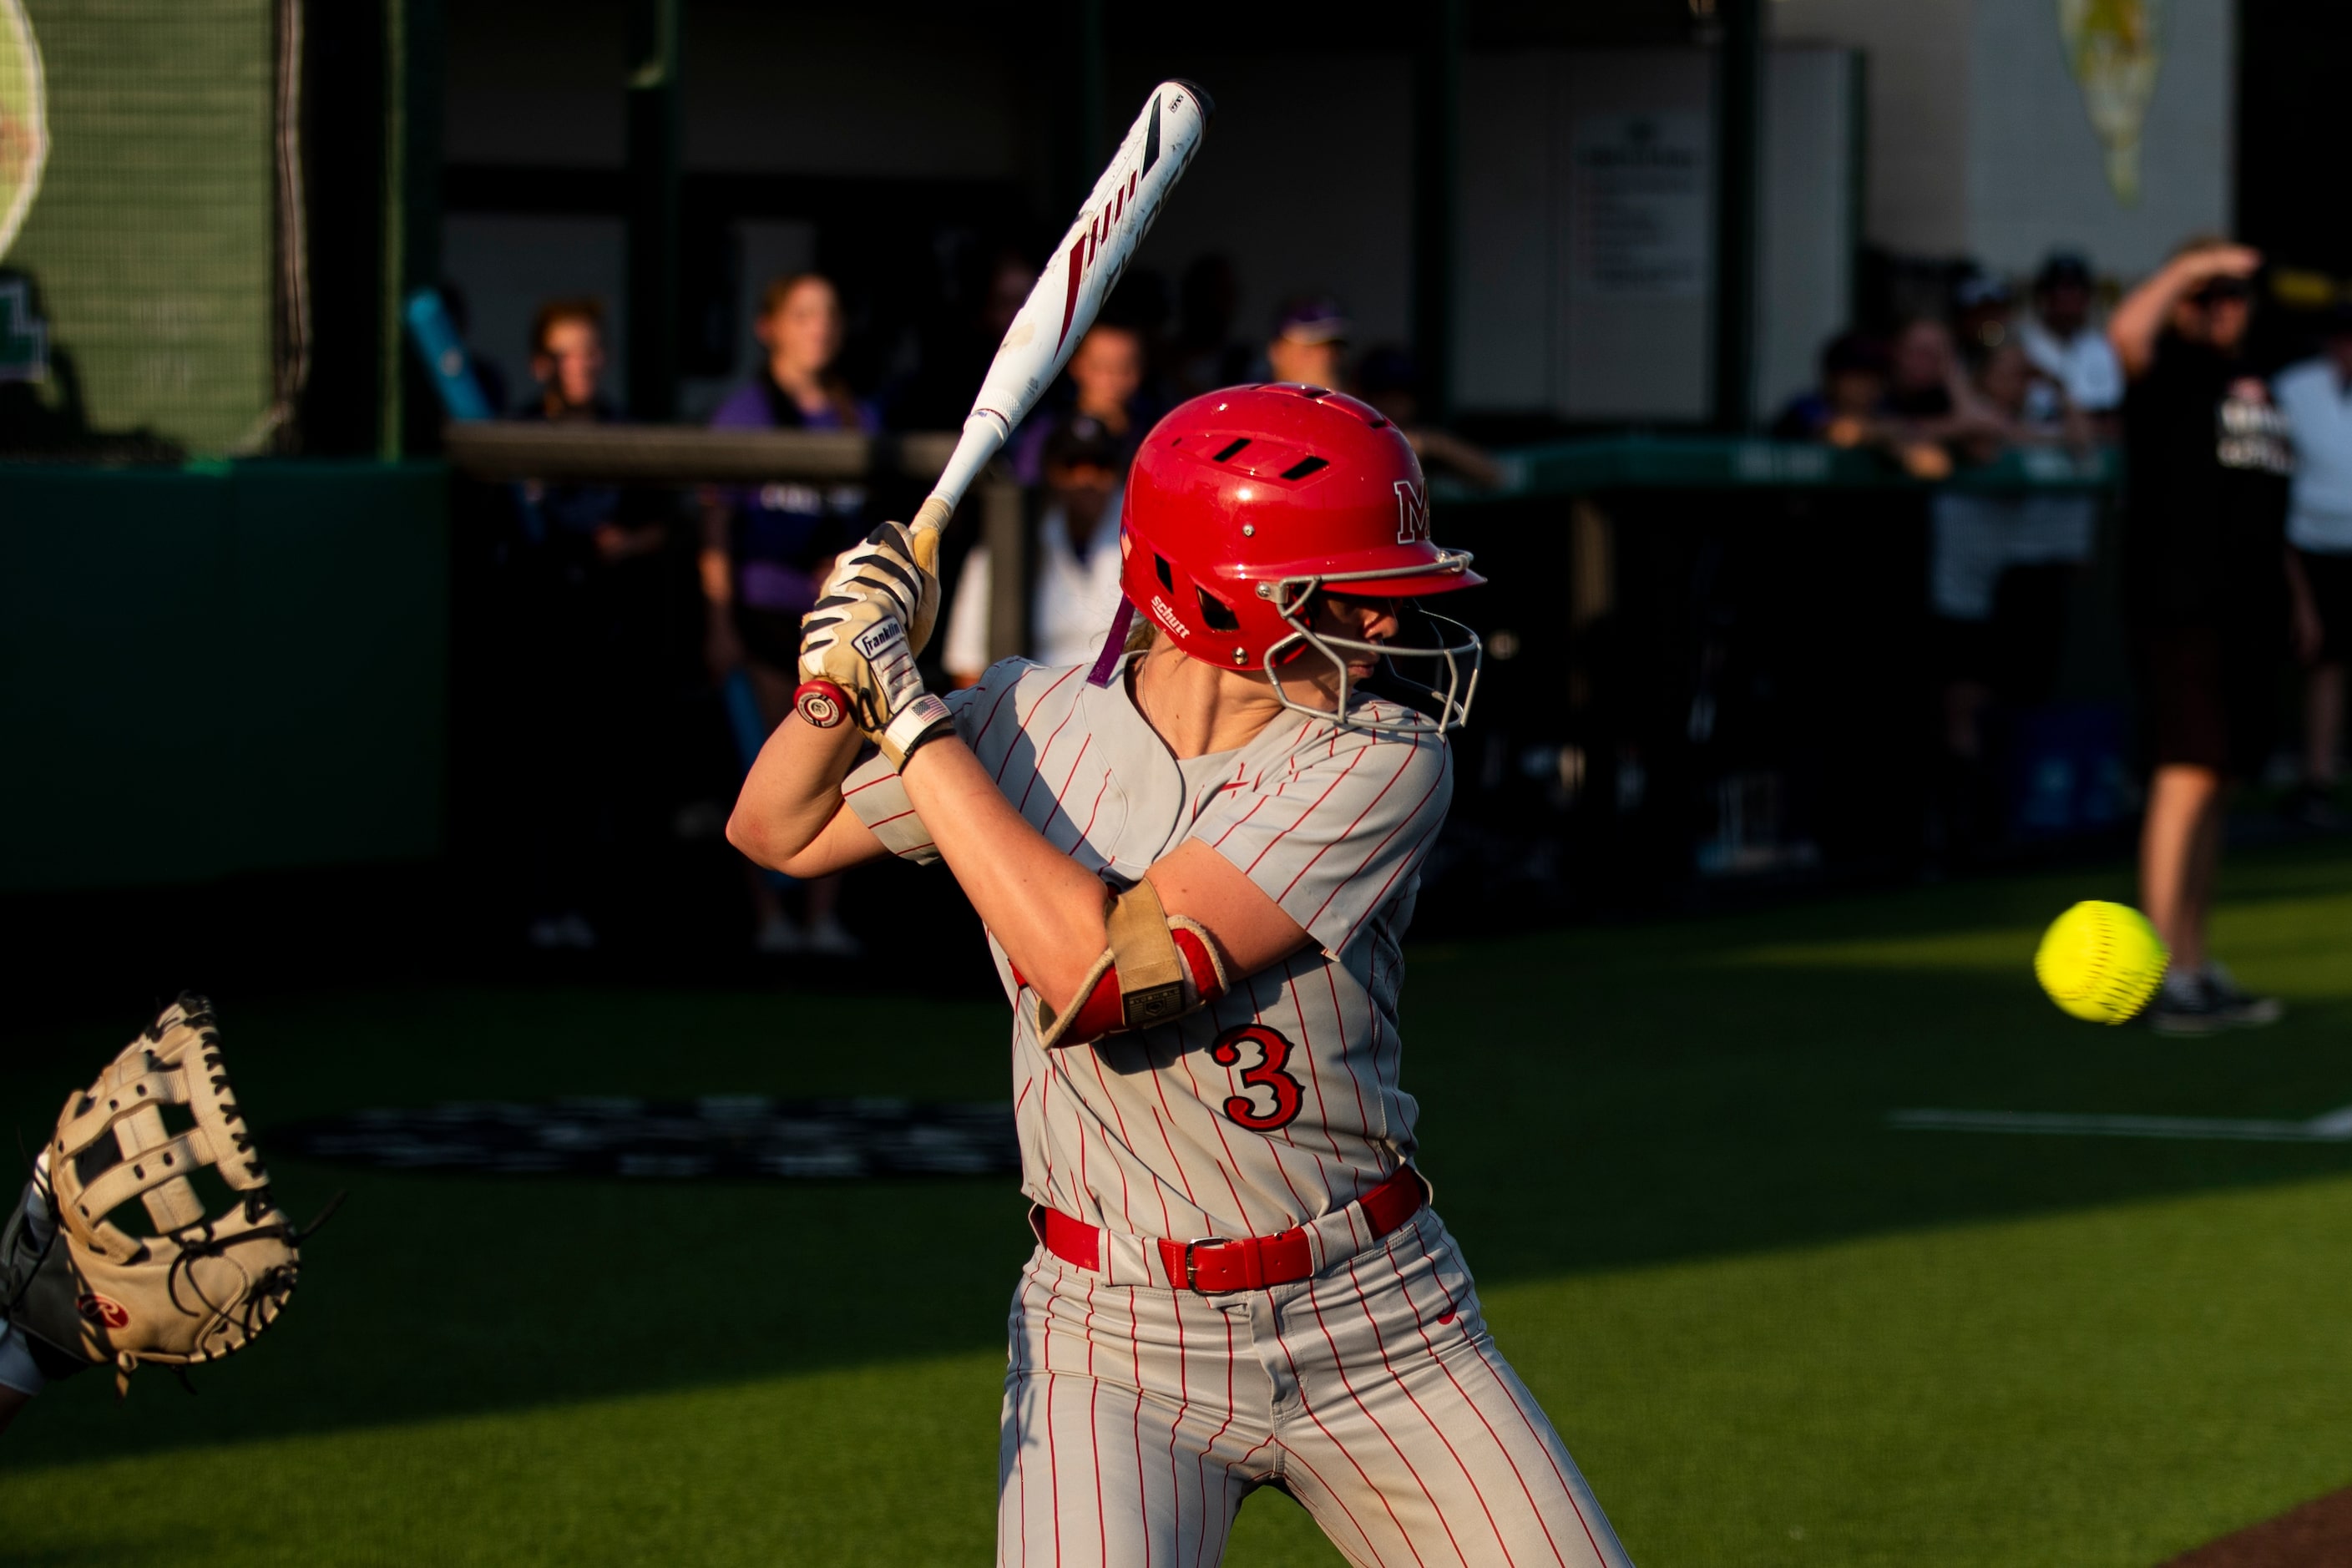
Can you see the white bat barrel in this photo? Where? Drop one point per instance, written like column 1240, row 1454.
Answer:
column 1079, row 275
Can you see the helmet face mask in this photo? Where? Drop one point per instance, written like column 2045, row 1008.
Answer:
column 1246, row 507
column 1454, row 654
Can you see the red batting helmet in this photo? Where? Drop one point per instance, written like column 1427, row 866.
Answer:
column 1245, row 505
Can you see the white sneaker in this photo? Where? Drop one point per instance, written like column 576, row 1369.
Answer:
column 547, row 933
column 831, row 938
column 778, row 934
column 577, row 932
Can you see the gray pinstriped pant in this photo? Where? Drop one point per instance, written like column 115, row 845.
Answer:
column 1136, row 1419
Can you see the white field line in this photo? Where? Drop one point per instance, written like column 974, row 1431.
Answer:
column 2334, row 1127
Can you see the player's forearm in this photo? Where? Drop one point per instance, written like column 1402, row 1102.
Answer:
column 792, row 796
column 1044, row 907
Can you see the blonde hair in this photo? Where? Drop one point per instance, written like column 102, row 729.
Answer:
column 1140, row 636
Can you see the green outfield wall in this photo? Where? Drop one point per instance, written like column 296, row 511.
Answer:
column 213, row 671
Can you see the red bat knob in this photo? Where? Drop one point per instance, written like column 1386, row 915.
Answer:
column 821, row 703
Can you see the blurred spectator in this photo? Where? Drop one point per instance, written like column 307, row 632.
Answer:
column 1390, row 381
column 1930, row 407
column 2001, row 569
column 1107, row 376
column 2205, row 585
column 956, row 353
column 1073, row 558
column 1310, row 343
column 1982, row 306
column 584, row 634
column 766, row 552
column 1850, row 400
column 2316, row 398
column 2060, row 340
column 1204, row 356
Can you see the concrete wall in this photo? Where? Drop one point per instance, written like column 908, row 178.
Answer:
column 1980, row 143
column 1920, row 61
column 2037, row 176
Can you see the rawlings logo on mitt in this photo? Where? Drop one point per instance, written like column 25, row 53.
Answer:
column 188, row 1286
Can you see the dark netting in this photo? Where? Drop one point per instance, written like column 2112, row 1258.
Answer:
column 149, row 255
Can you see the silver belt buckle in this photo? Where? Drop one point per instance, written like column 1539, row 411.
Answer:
column 1192, row 1267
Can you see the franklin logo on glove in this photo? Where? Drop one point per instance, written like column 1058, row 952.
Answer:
column 882, row 638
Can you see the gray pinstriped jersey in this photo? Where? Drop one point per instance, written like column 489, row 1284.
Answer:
column 1280, row 1102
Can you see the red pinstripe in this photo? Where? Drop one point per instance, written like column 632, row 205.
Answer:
column 980, row 737
column 1290, row 1457
column 1486, row 1360
column 1037, row 769
column 1021, row 720
column 1217, row 1125
column 1341, row 837
column 1088, row 831
column 1501, row 1447
column 1314, row 1081
column 1339, row 1369
column 1410, row 857
column 1363, row 1116
column 1380, row 1343
column 1308, row 811
column 1308, row 1407
column 1125, row 1208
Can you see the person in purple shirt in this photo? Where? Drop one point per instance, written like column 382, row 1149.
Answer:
column 765, row 552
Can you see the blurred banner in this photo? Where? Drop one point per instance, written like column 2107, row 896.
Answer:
column 148, row 251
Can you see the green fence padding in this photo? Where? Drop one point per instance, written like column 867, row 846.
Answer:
column 152, row 245
column 204, row 673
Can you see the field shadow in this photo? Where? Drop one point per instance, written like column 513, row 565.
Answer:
column 1592, row 1100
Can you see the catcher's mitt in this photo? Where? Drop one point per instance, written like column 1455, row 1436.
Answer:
column 191, row 1289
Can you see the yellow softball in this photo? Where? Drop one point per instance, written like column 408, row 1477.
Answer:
column 2100, row 962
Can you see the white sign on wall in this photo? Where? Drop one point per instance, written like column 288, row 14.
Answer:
column 1638, row 196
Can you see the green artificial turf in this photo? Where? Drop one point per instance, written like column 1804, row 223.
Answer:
column 1773, row 1329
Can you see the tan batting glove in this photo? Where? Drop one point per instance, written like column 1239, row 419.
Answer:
column 859, row 645
column 897, row 566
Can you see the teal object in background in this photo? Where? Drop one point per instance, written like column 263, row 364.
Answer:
column 444, row 355
column 209, row 672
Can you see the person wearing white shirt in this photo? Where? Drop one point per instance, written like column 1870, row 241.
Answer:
column 1074, row 557
column 2066, row 347
column 2316, row 398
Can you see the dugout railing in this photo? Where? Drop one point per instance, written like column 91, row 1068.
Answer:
column 1711, row 662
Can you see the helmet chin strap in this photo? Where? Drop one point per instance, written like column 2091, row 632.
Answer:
column 1114, row 643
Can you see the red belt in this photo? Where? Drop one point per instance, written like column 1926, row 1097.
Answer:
column 1212, row 1263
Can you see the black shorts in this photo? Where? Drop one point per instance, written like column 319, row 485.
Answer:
column 2016, row 650
column 2211, row 694
column 2330, row 576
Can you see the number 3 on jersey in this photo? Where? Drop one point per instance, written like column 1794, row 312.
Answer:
column 1262, row 1075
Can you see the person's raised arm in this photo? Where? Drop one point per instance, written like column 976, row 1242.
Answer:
column 1047, row 910
column 790, row 815
column 2139, row 321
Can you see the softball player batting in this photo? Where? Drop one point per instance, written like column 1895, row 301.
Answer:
column 1195, row 859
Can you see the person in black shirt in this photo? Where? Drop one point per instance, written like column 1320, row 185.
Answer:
column 2206, row 458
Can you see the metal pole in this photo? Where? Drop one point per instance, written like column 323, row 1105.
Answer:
column 390, row 361
column 1075, row 147
column 1436, row 165
column 1738, row 127
column 653, row 148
